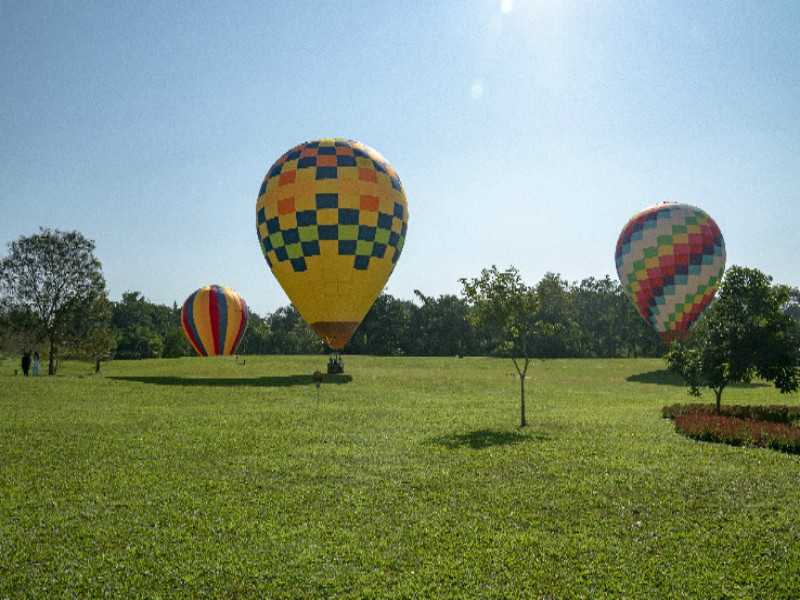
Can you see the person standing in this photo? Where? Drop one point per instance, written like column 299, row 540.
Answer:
column 26, row 362
column 35, row 364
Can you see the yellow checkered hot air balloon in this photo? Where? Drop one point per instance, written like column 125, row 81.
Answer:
column 332, row 219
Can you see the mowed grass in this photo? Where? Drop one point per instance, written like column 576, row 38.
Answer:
column 408, row 478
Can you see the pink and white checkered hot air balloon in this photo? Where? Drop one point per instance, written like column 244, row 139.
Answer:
column 670, row 260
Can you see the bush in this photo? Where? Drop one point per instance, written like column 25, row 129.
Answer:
column 776, row 413
column 739, row 432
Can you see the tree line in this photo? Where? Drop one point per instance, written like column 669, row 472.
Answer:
column 53, row 297
column 593, row 319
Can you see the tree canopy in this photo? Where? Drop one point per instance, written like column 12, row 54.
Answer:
column 509, row 312
column 745, row 333
column 46, row 279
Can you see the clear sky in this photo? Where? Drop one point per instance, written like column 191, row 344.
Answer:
column 525, row 132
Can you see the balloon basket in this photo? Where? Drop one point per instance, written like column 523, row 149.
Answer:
column 335, row 364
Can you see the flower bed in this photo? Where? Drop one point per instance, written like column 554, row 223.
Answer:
column 776, row 413
column 758, row 426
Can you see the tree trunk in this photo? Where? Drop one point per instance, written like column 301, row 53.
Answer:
column 97, row 365
column 718, row 392
column 522, row 373
column 51, row 368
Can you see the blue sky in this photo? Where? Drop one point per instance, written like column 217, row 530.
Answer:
column 524, row 132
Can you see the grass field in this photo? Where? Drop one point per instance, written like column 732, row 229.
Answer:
column 409, row 478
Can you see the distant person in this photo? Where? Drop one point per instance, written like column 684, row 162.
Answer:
column 26, row 363
column 35, row 364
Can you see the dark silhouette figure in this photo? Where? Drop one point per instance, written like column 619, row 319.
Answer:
column 26, row 363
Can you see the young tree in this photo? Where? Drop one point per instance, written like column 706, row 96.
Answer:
column 47, row 274
column 505, row 308
column 743, row 334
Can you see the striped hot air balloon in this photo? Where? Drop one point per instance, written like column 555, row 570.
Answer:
column 670, row 260
column 214, row 319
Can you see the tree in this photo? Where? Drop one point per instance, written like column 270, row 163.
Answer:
column 290, row 334
column 597, row 304
column 792, row 306
column 743, row 334
column 504, row 308
column 89, row 332
column 609, row 324
column 256, row 338
column 559, row 339
column 17, row 328
column 384, row 329
column 440, row 327
column 147, row 330
column 47, row 275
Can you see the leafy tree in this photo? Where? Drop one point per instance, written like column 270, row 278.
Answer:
column 90, row 333
column 597, row 305
column 176, row 344
column 45, row 276
column 18, row 328
column 743, row 334
column 136, row 332
column 559, row 338
column 440, row 327
column 792, row 306
column 608, row 323
column 148, row 330
column 256, row 338
column 505, row 309
column 290, row 334
column 174, row 341
column 384, row 328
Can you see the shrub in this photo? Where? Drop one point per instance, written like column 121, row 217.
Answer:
column 739, row 432
column 776, row 413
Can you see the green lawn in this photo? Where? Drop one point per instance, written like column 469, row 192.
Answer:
column 408, row 478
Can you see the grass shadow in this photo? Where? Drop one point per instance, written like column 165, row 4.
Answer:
column 667, row 377
column 660, row 377
column 484, row 438
column 269, row 381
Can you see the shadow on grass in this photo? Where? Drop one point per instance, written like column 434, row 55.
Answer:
column 484, row 438
column 271, row 381
column 667, row 377
column 660, row 377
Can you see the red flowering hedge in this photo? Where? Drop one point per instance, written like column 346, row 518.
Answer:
column 775, row 413
column 759, row 426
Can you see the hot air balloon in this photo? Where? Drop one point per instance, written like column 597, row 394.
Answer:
column 670, row 260
column 332, row 220
column 214, row 319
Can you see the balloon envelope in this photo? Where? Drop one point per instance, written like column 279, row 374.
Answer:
column 670, row 260
column 332, row 218
column 214, row 318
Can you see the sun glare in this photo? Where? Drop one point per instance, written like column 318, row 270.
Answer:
column 476, row 91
